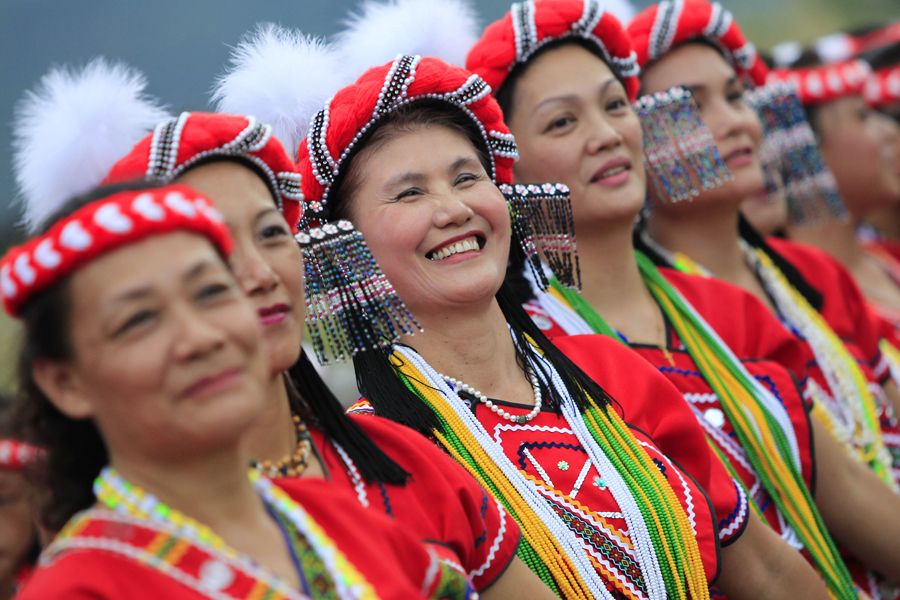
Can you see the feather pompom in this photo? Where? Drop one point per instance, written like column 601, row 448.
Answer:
column 623, row 10
column 70, row 131
column 282, row 78
column 375, row 35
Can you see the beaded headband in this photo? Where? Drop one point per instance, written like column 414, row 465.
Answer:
column 16, row 455
column 180, row 143
column 825, row 83
column 528, row 26
column 660, row 28
column 100, row 227
column 380, row 91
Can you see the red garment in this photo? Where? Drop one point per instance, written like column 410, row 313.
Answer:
column 845, row 309
column 775, row 357
column 393, row 561
column 440, row 504
column 546, row 450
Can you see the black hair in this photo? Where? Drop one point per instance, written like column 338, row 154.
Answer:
column 380, row 384
column 755, row 239
column 505, row 95
column 75, row 451
column 7, row 430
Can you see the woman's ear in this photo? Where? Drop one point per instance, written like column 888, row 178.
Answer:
column 61, row 384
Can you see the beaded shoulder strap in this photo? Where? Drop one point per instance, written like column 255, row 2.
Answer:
column 158, row 546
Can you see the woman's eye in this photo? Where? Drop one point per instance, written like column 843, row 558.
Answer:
column 212, row 291
column 409, row 194
column 273, row 231
column 467, row 177
column 136, row 320
column 735, row 98
column 617, row 104
column 559, row 123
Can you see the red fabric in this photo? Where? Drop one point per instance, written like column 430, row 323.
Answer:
column 101, row 227
column 664, row 26
column 663, row 423
column 201, row 135
column 441, row 504
column 776, row 358
column 495, row 54
column 393, row 561
column 16, row 455
column 352, row 110
column 825, row 83
column 883, row 87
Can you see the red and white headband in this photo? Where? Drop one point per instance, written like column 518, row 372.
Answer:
column 827, row 82
column 100, row 227
column 180, row 143
column 16, row 455
column 883, row 87
column 528, row 26
column 662, row 27
column 335, row 131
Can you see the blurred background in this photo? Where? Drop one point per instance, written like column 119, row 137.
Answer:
column 181, row 45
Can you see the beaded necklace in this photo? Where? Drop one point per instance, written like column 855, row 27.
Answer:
column 663, row 541
column 313, row 547
column 851, row 412
column 292, row 465
column 760, row 423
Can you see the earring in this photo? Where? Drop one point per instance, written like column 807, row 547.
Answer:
column 350, row 304
column 542, row 221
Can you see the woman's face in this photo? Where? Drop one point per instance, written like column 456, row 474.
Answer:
column 166, row 355
column 17, row 532
column 574, row 124
column 433, row 219
column 266, row 260
column 860, row 147
column 734, row 125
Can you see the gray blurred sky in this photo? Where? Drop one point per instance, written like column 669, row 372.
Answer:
column 182, row 45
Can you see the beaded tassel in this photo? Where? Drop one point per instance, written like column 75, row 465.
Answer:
column 791, row 153
column 679, row 150
column 350, row 304
column 542, row 220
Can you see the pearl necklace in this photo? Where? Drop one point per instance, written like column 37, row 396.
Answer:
column 535, row 385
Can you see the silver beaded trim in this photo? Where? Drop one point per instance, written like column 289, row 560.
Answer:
column 662, row 34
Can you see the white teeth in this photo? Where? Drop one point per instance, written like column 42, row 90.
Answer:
column 612, row 172
column 456, row 248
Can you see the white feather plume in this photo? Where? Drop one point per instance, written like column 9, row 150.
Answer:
column 282, row 78
column 375, row 35
column 621, row 9
column 71, row 130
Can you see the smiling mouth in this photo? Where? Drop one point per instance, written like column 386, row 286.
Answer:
column 472, row 243
column 610, row 173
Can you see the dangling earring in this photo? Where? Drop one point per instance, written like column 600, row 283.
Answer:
column 350, row 304
column 679, row 150
column 790, row 148
column 542, row 221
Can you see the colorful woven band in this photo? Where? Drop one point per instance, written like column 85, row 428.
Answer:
column 815, row 85
column 100, row 227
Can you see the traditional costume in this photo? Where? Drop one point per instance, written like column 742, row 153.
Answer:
column 16, row 455
column 713, row 341
column 577, row 505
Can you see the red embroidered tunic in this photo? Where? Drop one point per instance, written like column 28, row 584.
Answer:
column 394, row 562
column 440, row 504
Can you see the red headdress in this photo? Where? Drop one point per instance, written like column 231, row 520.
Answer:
column 16, row 455
column 100, row 227
column 530, row 25
column 336, row 130
column 665, row 25
column 826, row 82
column 192, row 138
column 883, row 86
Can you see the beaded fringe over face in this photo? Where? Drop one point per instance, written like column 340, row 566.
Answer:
column 790, row 152
column 350, row 304
column 679, row 150
column 542, row 221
